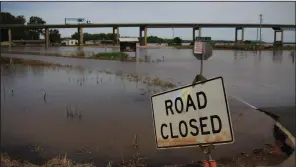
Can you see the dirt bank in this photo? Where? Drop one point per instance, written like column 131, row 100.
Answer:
column 263, row 156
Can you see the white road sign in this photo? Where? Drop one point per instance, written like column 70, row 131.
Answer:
column 198, row 47
column 202, row 50
column 189, row 116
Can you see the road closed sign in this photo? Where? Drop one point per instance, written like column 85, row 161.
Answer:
column 192, row 115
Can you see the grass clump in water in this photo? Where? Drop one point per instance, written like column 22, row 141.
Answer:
column 111, row 56
column 58, row 162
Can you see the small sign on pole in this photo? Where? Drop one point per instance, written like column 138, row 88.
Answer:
column 191, row 116
column 198, row 47
column 202, row 50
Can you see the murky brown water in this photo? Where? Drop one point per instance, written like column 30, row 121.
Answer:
column 108, row 110
column 264, row 79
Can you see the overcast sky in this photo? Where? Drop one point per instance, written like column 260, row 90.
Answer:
column 163, row 12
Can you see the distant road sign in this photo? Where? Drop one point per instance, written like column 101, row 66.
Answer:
column 289, row 29
column 198, row 47
column 202, row 50
column 75, row 20
column 189, row 116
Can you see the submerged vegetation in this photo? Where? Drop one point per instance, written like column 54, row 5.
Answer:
column 129, row 76
column 7, row 60
column 111, row 56
column 118, row 56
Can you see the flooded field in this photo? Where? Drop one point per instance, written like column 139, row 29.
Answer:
column 264, row 79
column 93, row 113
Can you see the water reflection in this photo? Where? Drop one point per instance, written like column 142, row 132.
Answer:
column 243, row 55
column 235, row 54
column 277, row 56
column 239, row 54
column 292, row 55
column 259, row 55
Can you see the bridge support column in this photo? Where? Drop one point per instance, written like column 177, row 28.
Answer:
column 193, row 33
column 46, row 38
column 115, row 35
column 275, row 42
column 143, row 42
column 9, row 38
column 80, row 32
column 145, row 36
column 236, row 33
column 282, row 36
column 243, row 35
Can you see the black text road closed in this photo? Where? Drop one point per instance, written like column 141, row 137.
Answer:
column 189, row 116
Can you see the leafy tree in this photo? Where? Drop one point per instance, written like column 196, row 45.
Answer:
column 54, row 36
column 75, row 36
column 177, row 40
column 17, row 33
column 35, row 33
column 36, row 20
column 87, row 36
column 21, row 19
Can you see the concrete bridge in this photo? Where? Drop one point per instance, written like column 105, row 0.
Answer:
column 144, row 26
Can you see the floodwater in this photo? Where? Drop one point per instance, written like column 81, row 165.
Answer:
column 263, row 79
column 93, row 116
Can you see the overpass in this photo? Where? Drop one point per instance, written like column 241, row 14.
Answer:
column 143, row 28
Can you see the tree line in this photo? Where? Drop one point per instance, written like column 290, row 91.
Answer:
column 110, row 36
column 26, row 34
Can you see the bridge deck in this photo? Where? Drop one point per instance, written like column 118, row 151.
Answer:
column 150, row 25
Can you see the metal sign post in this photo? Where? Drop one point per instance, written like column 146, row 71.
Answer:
column 202, row 51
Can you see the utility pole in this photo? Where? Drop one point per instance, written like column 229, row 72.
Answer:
column 260, row 35
column 173, row 33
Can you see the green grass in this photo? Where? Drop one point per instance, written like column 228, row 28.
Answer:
column 117, row 56
column 111, row 56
